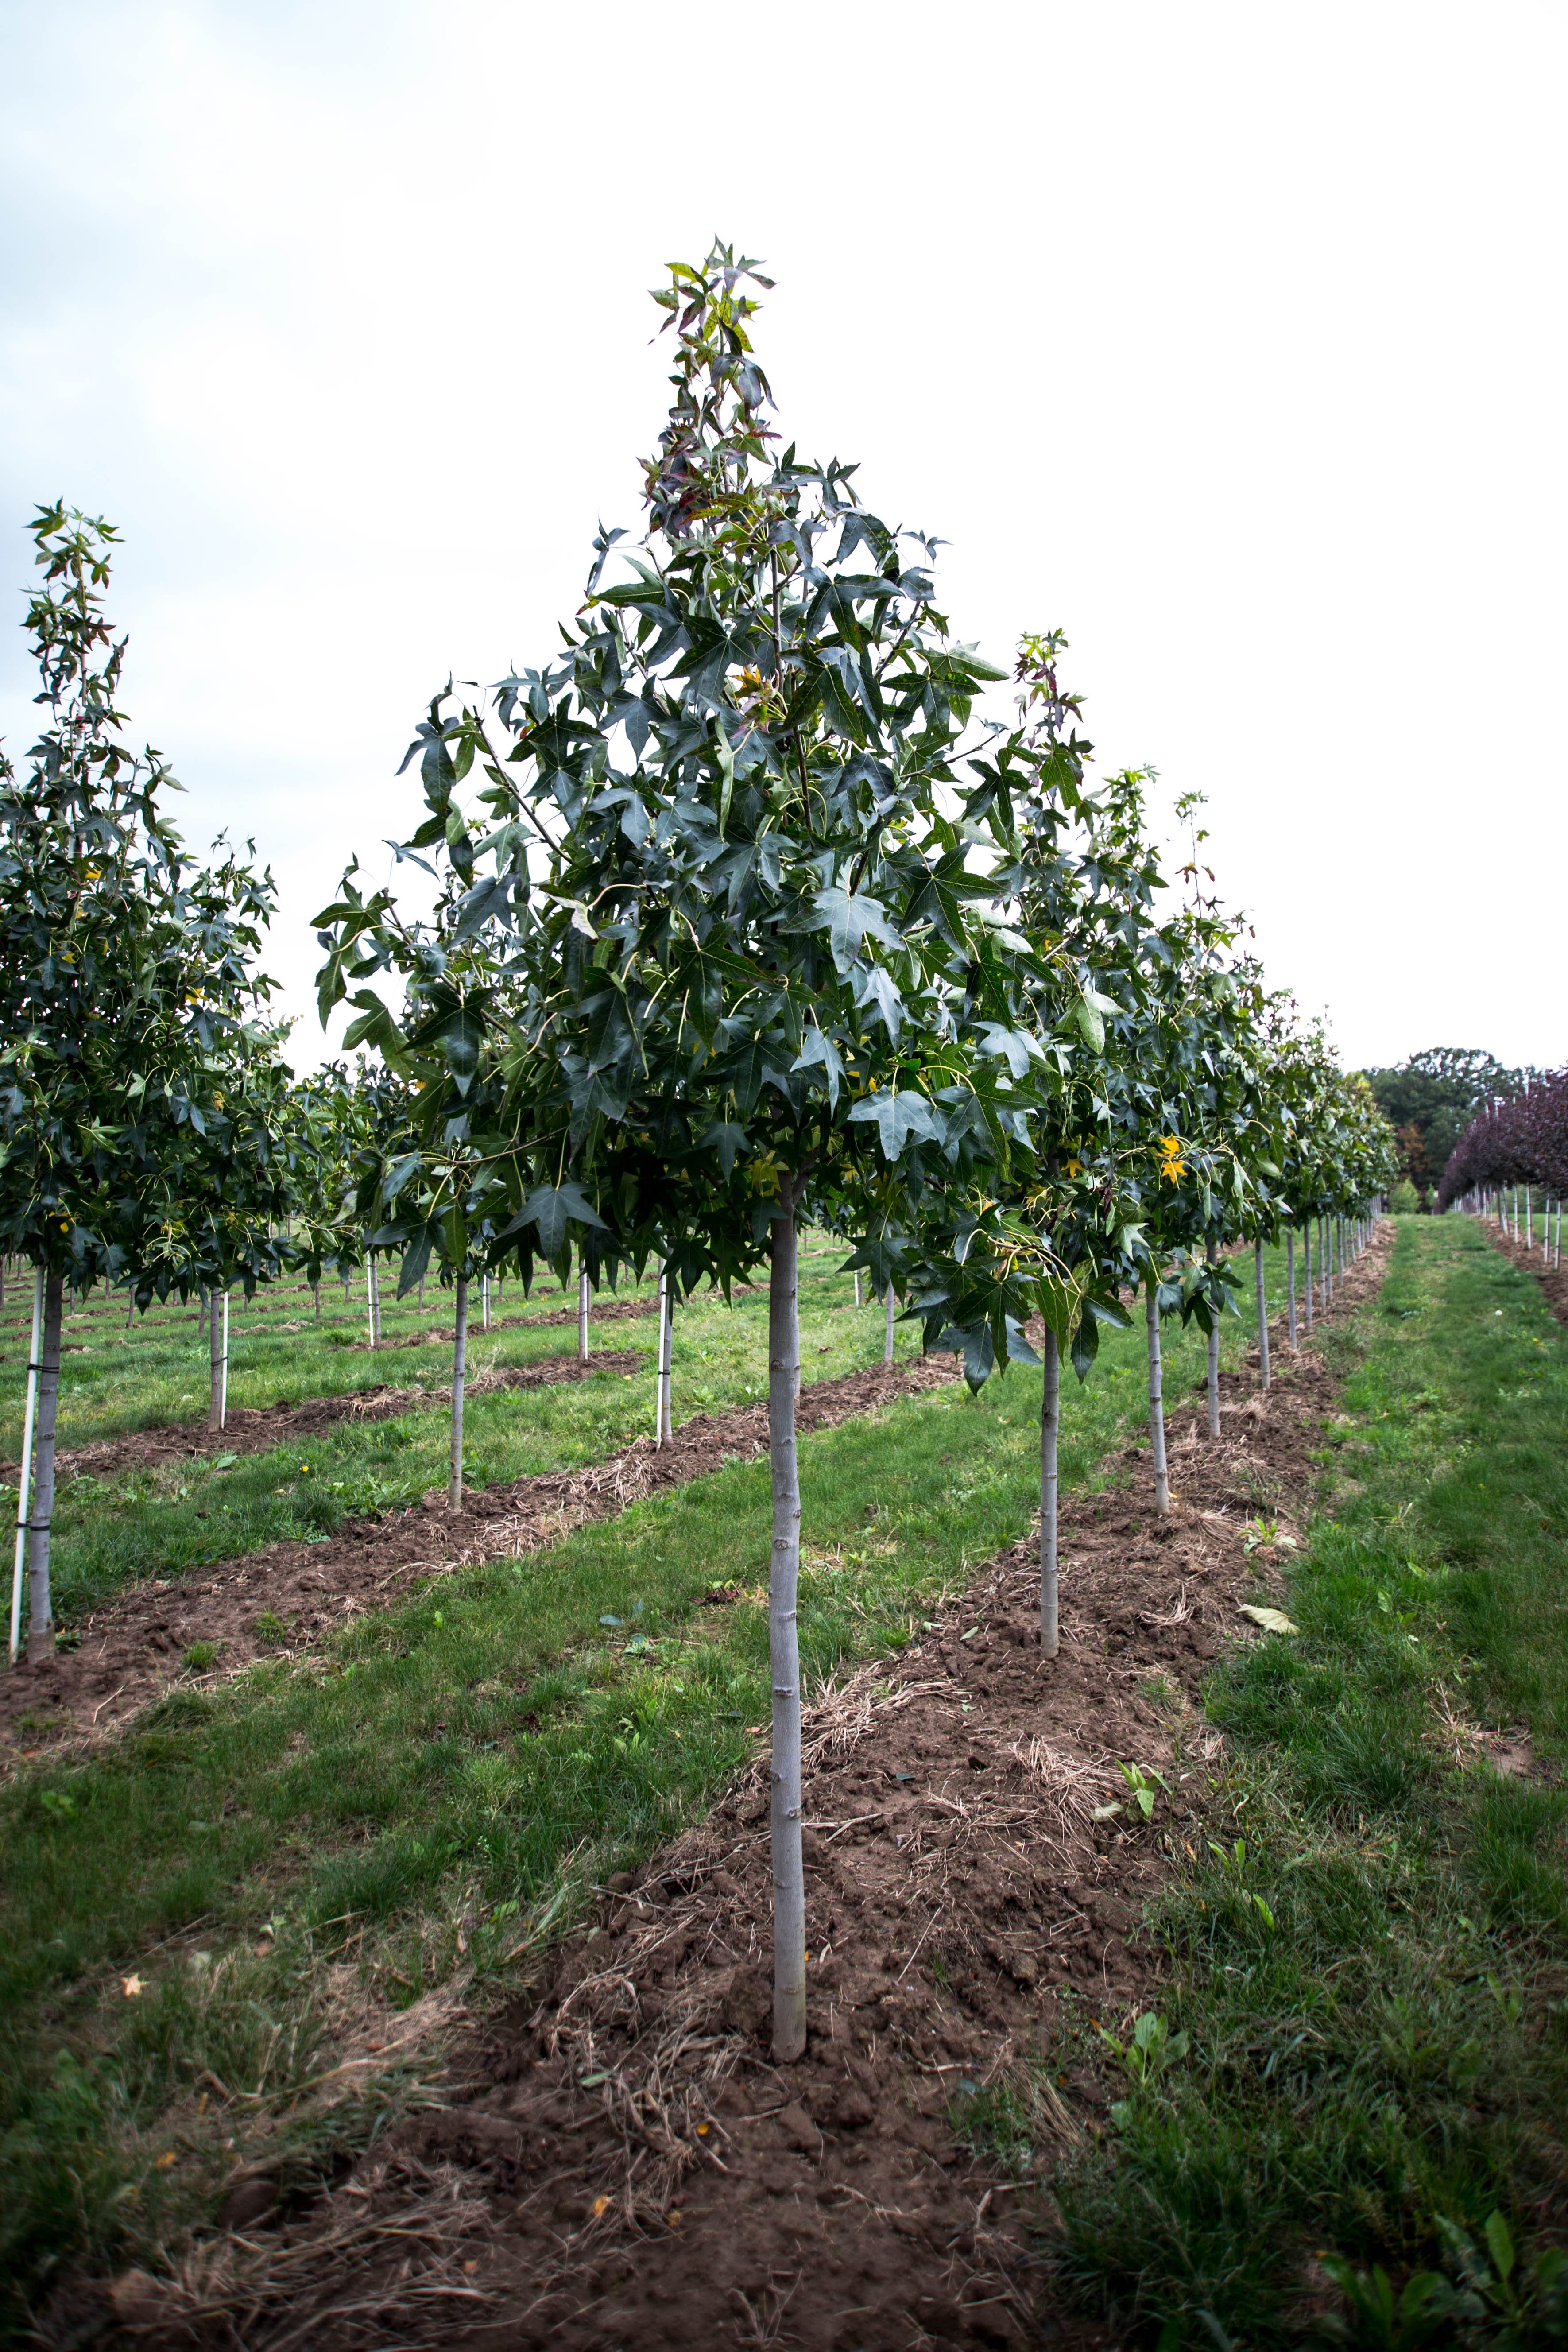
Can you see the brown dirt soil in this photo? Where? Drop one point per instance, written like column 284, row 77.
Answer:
column 619, row 2167
column 130, row 1652
column 1553, row 1280
column 255, row 1429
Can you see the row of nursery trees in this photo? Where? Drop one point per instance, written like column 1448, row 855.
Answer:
column 1512, row 1151
column 741, row 913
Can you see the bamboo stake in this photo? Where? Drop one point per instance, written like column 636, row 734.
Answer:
column 25, row 1485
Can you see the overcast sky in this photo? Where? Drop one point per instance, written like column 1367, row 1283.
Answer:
column 1229, row 338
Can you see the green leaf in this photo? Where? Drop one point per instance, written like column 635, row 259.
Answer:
column 899, row 1118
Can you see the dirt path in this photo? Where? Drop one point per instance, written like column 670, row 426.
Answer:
column 618, row 2164
column 131, row 1651
column 256, row 1429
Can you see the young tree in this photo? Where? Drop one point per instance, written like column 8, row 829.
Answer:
column 740, row 966
column 126, row 987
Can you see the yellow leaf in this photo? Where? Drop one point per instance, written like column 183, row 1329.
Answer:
column 165, row 2160
column 132, row 1988
column 601, row 2205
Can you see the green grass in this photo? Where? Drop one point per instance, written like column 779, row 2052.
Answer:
column 1376, row 1981
column 182, row 1514
column 447, row 1772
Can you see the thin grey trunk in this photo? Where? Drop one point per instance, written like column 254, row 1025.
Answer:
column 460, row 1368
column 484, row 1302
column 1529, row 1217
column 783, row 1643
column 369, row 1298
column 24, row 1483
column 40, row 1611
column 1290, row 1278
column 1262, row 1315
column 665, row 1363
column 1157, row 1407
column 1211, row 1252
column 887, row 1341
column 582, row 1319
column 859, row 1299
column 1307, row 1266
column 1051, row 1429
column 316, row 1290
column 131, row 1306
column 217, row 1335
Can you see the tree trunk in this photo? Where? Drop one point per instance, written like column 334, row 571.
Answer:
column 887, row 1341
column 131, row 1306
column 582, row 1319
column 369, row 1298
column 1307, row 1266
column 1262, row 1315
column 783, row 1643
column 40, row 1611
column 459, row 1366
column 217, row 1355
column 665, row 1363
column 316, row 1289
column 1050, row 1428
column 24, row 1483
column 1290, row 1279
column 859, row 1300
column 484, row 1302
column 1211, row 1250
column 1157, row 1405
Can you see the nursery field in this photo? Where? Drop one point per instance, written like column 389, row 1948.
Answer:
column 312, row 1959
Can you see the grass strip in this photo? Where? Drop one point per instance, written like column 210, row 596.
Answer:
column 1364, row 2054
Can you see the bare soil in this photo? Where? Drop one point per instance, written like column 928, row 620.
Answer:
column 619, row 2167
column 131, row 1651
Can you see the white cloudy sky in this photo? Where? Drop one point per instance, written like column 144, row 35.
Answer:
column 1229, row 338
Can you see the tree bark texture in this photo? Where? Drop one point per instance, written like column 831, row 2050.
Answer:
column 216, row 1335
column 40, row 1607
column 1262, row 1314
column 783, row 1643
column 459, row 1368
column 665, row 1433
column 1157, row 1407
column 1307, row 1268
column 1211, row 1250
column 1050, row 1430
column 24, row 1483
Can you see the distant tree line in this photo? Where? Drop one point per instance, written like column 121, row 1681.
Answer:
column 1431, row 1098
